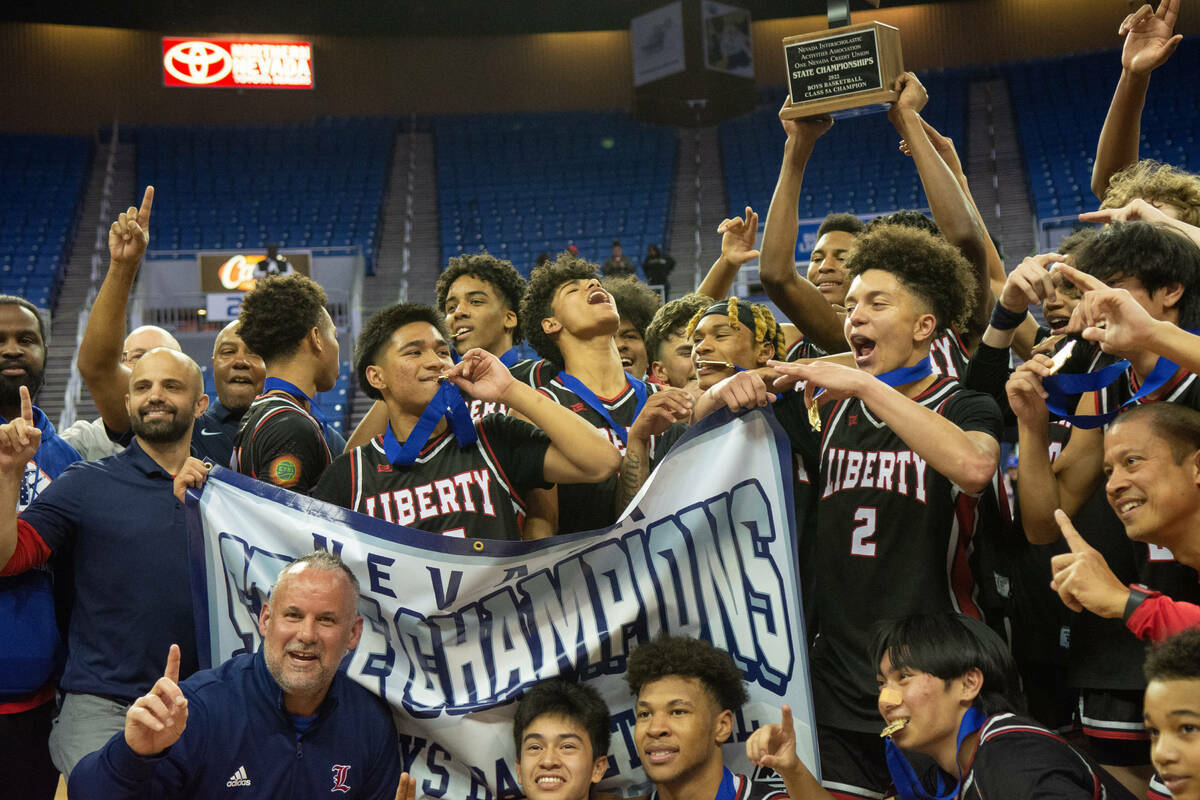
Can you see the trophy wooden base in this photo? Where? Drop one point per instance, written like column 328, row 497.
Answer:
column 844, row 68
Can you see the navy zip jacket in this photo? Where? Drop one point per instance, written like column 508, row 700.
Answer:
column 240, row 743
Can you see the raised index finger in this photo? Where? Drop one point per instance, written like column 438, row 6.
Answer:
column 1072, row 537
column 171, row 673
column 144, row 211
column 26, row 405
column 785, row 721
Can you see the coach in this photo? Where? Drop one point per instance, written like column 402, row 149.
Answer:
column 282, row 722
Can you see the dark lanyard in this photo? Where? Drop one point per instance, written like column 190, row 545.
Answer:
column 448, row 404
column 904, row 777
column 279, row 384
column 589, row 397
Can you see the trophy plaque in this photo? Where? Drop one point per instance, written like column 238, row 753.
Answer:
column 841, row 69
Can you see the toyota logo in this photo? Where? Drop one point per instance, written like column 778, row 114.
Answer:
column 198, row 62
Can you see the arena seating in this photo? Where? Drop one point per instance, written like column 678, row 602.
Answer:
column 44, row 179
column 521, row 184
column 1061, row 104
column 855, row 167
column 301, row 186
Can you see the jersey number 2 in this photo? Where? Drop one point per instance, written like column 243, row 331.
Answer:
column 860, row 537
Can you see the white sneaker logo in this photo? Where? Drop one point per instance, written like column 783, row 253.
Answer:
column 238, row 778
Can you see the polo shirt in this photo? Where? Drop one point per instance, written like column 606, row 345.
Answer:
column 119, row 521
column 214, row 432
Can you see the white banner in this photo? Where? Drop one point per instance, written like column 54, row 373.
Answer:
column 657, row 43
column 457, row 628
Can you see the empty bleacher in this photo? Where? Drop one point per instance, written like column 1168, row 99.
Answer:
column 1061, row 104
column 855, row 166
column 300, row 186
column 44, row 179
column 521, row 184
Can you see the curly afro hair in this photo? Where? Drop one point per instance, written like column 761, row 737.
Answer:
column 278, row 313
column 841, row 221
column 1154, row 181
column 1176, row 658
column 672, row 317
column 561, row 697
column 928, row 266
column 635, row 301
column 908, row 218
column 499, row 273
column 378, row 332
column 539, row 296
column 685, row 657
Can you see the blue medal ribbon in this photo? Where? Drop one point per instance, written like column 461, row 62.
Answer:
column 447, row 403
column 280, row 385
column 904, row 777
column 1058, row 387
column 589, row 397
column 904, row 375
column 726, row 791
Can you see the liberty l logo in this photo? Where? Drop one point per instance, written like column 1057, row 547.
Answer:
column 340, row 771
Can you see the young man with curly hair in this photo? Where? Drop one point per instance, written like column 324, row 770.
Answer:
column 636, row 303
column 459, row 476
column 481, row 297
column 561, row 731
column 903, row 465
column 1169, row 189
column 667, row 344
column 687, row 694
column 571, row 321
column 285, row 439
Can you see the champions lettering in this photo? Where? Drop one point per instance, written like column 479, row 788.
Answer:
column 705, row 571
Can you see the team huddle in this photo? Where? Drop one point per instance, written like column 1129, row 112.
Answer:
column 977, row 626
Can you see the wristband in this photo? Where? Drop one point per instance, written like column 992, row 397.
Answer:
column 1137, row 595
column 1005, row 320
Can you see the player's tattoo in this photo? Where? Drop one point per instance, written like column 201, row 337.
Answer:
column 631, row 479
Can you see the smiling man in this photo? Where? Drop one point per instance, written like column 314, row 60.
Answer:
column 561, row 732
column 280, row 722
column 687, row 694
column 636, row 303
column 125, row 565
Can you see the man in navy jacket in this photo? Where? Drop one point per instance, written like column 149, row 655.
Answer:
column 282, row 722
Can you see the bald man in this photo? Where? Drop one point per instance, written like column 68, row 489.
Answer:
column 90, row 437
column 120, row 522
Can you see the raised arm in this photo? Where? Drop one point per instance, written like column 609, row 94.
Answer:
column 1149, row 41
column 19, row 442
column 953, row 212
column 967, row 458
column 796, row 297
column 661, row 411
column 99, row 357
column 1044, row 486
column 737, row 247
column 578, row 452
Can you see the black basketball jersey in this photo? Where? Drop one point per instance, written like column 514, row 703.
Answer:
column 590, row 506
column 475, row 491
column 522, row 371
column 894, row 538
column 948, row 354
column 802, row 348
column 281, row 443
